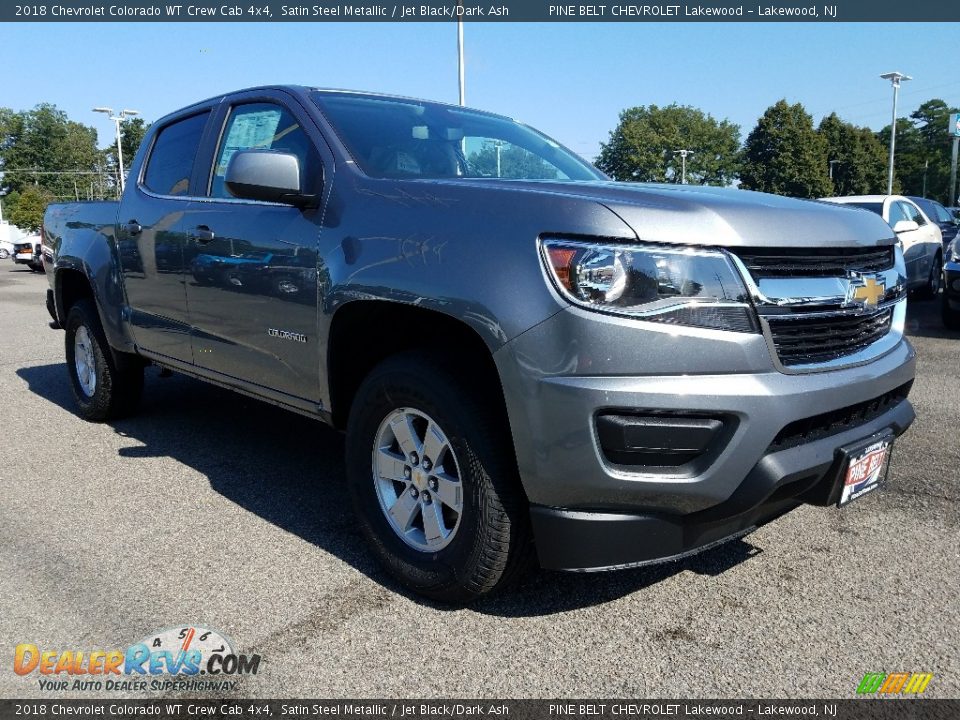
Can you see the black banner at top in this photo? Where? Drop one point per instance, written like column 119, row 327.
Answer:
column 480, row 10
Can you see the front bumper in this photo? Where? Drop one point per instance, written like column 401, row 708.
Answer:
column 591, row 513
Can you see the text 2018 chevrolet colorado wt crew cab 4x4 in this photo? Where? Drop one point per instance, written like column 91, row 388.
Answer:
column 529, row 361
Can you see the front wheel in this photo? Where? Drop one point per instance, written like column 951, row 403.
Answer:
column 434, row 483
column 949, row 315
column 4, row 253
column 932, row 286
column 104, row 387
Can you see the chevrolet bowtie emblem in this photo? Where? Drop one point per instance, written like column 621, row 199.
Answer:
column 870, row 292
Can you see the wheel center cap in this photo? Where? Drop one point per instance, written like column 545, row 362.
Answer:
column 420, row 479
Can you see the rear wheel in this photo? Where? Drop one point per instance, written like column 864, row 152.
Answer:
column 104, row 387
column 4, row 253
column 434, row 482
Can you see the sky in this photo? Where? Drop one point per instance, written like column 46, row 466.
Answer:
column 570, row 80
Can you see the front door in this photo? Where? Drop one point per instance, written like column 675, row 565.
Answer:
column 252, row 266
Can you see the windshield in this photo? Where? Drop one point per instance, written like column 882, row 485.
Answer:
column 395, row 138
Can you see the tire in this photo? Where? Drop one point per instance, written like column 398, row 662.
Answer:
column 4, row 253
column 950, row 317
column 932, row 287
column 469, row 552
column 104, row 388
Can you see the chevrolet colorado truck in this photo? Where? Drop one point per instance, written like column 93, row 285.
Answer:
column 530, row 362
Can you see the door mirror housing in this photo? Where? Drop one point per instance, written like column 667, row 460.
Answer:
column 904, row 226
column 266, row 175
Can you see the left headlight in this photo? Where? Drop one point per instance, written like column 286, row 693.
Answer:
column 677, row 285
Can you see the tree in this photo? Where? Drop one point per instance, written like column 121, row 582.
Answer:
column 923, row 151
column 641, row 147
column 25, row 209
column 132, row 131
column 859, row 159
column 784, row 155
column 43, row 148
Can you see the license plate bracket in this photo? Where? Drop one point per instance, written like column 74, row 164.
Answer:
column 865, row 466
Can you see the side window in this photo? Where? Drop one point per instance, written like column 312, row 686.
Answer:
column 913, row 213
column 941, row 212
column 896, row 214
column 262, row 126
column 171, row 160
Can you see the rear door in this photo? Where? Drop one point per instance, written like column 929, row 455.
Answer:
column 924, row 242
column 252, row 277
column 151, row 238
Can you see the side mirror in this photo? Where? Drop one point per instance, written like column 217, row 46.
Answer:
column 266, row 175
column 904, row 226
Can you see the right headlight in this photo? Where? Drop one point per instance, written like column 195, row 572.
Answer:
column 678, row 285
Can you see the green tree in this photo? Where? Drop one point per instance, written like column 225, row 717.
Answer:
column 784, row 155
column 132, row 131
column 923, row 151
column 25, row 209
column 641, row 147
column 43, row 148
column 858, row 157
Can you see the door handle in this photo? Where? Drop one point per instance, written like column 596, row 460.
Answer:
column 203, row 235
column 133, row 227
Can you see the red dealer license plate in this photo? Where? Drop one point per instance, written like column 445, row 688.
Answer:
column 866, row 468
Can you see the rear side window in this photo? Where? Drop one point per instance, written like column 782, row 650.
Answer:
column 171, row 160
column 913, row 213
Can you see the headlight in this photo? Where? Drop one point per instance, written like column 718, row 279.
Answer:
column 682, row 286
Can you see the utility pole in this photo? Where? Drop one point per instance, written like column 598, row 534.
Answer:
column 895, row 78
column 117, row 119
column 832, row 163
column 683, row 161
column 460, row 56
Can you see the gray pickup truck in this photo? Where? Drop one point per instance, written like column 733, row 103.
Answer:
column 530, row 362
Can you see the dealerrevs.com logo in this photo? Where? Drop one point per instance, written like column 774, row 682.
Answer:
column 168, row 660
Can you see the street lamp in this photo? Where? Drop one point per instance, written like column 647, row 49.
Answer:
column 683, row 161
column 117, row 119
column 895, row 78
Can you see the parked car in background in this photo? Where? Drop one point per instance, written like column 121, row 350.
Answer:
column 921, row 237
column 27, row 252
column 950, row 302
column 6, row 249
column 945, row 220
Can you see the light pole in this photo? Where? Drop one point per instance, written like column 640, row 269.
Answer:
column 117, row 119
column 460, row 59
column 895, row 78
column 832, row 163
column 683, row 162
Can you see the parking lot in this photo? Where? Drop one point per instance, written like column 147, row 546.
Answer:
column 209, row 508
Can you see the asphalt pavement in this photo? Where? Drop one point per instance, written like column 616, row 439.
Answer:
column 210, row 509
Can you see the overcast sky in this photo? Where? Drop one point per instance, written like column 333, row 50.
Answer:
column 569, row 80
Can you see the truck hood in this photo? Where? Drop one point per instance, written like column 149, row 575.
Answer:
column 715, row 216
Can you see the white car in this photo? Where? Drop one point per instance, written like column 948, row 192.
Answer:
column 920, row 236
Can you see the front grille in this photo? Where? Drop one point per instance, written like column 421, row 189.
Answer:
column 823, row 262
column 837, row 421
column 818, row 339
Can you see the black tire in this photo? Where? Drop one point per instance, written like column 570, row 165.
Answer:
column 118, row 382
column 492, row 544
column 950, row 317
column 932, row 287
column 4, row 254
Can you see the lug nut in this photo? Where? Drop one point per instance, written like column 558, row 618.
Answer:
column 434, row 484
column 406, row 473
column 413, row 492
column 426, row 464
column 426, row 498
column 414, row 459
